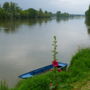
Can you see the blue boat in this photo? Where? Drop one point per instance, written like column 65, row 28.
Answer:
column 42, row 70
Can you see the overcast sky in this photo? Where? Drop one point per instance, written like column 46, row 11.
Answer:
column 70, row 6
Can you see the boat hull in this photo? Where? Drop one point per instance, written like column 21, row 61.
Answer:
column 42, row 70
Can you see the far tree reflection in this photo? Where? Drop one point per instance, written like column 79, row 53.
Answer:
column 11, row 26
column 59, row 19
column 62, row 18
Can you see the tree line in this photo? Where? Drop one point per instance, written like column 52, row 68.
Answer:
column 87, row 13
column 87, row 17
column 59, row 14
column 11, row 10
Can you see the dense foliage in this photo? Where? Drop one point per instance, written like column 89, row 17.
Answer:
column 59, row 14
column 87, row 13
column 10, row 10
column 87, row 19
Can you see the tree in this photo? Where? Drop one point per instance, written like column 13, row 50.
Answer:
column 47, row 14
column 11, row 10
column 0, row 6
column 40, row 13
column 6, row 6
column 3, row 14
column 58, row 14
column 87, row 13
column 32, row 13
column 14, row 9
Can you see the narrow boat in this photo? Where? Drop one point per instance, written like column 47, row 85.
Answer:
column 42, row 70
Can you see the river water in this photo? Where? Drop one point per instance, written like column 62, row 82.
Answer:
column 27, row 44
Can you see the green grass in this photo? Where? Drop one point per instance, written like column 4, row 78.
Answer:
column 80, row 69
column 77, row 77
column 3, row 86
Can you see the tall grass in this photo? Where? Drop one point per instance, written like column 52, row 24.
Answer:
column 3, row 86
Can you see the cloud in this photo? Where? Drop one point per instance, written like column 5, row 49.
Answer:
column 76, row 6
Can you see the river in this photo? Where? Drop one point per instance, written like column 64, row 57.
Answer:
column 27, row 44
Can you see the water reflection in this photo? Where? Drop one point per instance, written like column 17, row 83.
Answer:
column 13, row 25
column 59, row 19
column 8, row 26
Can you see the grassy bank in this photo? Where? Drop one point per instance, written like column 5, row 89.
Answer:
column 77, row 77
